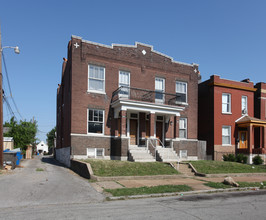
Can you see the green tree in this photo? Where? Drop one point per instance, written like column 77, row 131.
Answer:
column 50, row 138
column 23, row 132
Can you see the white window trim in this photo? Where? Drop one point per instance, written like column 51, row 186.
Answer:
column 96, row 91
column 159, row 100
column 230, row 104
column 244, row 96
column 180, row 92
column 183, row 128
column 92, row 133
column 230, row 132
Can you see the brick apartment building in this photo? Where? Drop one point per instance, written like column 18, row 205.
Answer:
column 226, row 117
column 124, row 102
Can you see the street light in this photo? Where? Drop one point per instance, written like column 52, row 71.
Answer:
column 16, row 49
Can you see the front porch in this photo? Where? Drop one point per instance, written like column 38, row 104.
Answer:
column 251, row 133
column 150, row 123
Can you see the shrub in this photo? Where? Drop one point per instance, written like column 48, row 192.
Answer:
column 231, row 157
column 241, row 158
column 225, row 157
column 257, row 160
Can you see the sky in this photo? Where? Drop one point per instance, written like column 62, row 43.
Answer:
column 225, row 37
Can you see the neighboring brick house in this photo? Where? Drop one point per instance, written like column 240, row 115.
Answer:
column 115, row 101
column 226, row 117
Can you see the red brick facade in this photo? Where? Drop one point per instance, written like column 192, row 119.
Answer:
column 74, row 99
column 214, row 121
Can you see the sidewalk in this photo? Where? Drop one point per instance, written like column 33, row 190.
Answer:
column 197, row 183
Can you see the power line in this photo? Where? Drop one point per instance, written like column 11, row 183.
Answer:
column 9, row 86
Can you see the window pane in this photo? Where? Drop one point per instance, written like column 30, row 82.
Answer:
column 96, row 84
column 96, row 115
column 158, row 95
column 90, row 115
column 95, row 127
column 159, row 84
column 225, row 98
column 101, row 116
column 182, row 133
column 226, row 140
column 225, row 131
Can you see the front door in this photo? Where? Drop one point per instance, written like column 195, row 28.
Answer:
column 243, row 143
column 133, row 131
column 159, row 132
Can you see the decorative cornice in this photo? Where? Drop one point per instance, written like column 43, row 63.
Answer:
column 226, row 85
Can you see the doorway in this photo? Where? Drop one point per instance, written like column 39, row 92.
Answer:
column 133, row 131
column 243, row 143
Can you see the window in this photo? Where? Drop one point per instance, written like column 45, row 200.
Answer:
column 226, row 103
column 96, row 78
column 226, row 135
column 181, row 91
column 95, row 121
column 124, row 81
column 159, row 90
column 244, row 105
column 183, row 128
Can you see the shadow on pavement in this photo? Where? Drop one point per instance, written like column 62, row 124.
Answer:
column 52, row 161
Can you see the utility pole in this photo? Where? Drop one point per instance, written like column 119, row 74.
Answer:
column 16, row 49
column 1, row 107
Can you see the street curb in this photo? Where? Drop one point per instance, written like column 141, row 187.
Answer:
column 114, row 198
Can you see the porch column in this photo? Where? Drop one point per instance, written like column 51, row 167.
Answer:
column 176, row 128
column 250, row 138
column 152, row 124
column 123, row 123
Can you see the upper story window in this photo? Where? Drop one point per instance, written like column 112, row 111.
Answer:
column 124, row 81
column 226, row 135
column 159, row 90
column 183, row 128
column 95, row 121
column 181, row 91
column 226, row 103
column 244, row 105
column 96, row 79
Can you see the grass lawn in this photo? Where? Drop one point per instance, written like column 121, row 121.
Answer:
column 241, row 184
column 149, row 190
column 126, row 168
column 215, row 167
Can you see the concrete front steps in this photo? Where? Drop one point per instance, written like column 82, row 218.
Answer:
column 139, row 154
column 166, row 154
column 185, row 169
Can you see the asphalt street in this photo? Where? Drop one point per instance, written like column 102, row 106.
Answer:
column 212, row 206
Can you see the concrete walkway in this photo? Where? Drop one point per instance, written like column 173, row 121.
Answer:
column 197, row 183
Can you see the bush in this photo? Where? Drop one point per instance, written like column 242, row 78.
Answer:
column 225, row 157
column 229, row 157
column 241, row 158
column 257, row 160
